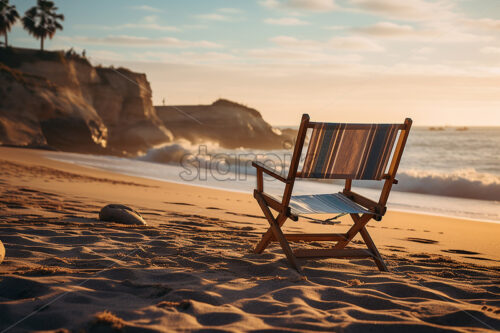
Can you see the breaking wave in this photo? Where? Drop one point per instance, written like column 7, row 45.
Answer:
column 464, row 183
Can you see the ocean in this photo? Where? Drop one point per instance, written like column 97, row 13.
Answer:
column 445, row 171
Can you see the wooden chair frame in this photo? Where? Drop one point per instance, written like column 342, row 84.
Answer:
column 274, row 233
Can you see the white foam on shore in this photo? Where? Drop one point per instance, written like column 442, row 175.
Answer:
column 473, row 209
column 462, row 182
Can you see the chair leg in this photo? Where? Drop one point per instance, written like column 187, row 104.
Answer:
column 276, row 230
column 266, row 237
column 360, row 227
column 371, row 245
column 359, row 223
column 284, row 245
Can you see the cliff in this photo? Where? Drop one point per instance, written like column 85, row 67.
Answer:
column 60, row 100
column 227, row 123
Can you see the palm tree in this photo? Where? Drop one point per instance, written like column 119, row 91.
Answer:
column 8, row 16
column 41, row 21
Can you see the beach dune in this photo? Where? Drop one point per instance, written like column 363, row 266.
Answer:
column 192, row 266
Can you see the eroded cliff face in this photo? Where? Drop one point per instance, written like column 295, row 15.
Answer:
column 36, row 112
column 61, row 101
column 123, row 100
column 229, row 124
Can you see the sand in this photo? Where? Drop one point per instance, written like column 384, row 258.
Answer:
column 192, row 267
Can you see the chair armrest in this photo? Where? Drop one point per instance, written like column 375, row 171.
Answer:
column 273, row 173
column 365, row 202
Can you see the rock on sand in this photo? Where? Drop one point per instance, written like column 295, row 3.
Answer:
column 2, row 252
column 120, row 214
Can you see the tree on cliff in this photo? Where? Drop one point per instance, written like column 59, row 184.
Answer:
column 41, row 21
column 8, row 16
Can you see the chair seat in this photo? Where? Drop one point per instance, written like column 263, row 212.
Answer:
column 335, row 203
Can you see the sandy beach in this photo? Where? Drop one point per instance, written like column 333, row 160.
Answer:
column 192, row 267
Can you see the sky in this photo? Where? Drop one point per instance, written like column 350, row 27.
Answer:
column 437, row 62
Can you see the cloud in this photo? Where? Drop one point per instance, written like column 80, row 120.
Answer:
column 147, row 26
column 301, row 56
column 424, row 50
column 288, row 41
column 386, row 29
column 290, row 50
column 214, row 17
column 347, row 43
column 484, row 24
column 310, row 5
column 147, row 23
column 186, row 57
column 431, row 32
column 313, row 5
column 438, row 21
column 147, row 8
column 289, row 21
column 106, row 55
column 412, row 10
column 335, row 27
column 270, row 3
column 194, row 26
column 418, row 58
column 229, row 10
column 490, row 50
column 221, row 15
column 133, row 41
column 355, row 43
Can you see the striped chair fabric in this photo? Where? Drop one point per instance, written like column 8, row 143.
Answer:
column 323, row 204
column 349, row 151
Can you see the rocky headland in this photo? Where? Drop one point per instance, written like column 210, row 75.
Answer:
column 59, row 100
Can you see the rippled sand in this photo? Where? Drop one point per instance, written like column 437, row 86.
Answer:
column 192, row 268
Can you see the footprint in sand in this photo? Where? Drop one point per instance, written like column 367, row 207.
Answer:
column 467, row 254
column 179, row 203
column 478, row 258
column 213, row 208
column 394, row 248
column 246, row 215
column 460, row 252
column 422, row 240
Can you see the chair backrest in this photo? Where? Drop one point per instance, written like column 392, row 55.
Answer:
column 349, row 151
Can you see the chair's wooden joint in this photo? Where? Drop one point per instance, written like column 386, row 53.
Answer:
column 361, row 200
column 389, row 177
column 272, row 203
column 262, row 168
column 379, row 213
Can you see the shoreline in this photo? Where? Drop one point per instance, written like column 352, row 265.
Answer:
column 401, row 210
column 442, row 206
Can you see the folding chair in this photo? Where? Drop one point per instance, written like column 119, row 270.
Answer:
column 335, row 151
